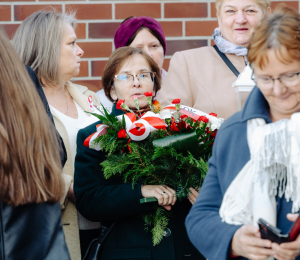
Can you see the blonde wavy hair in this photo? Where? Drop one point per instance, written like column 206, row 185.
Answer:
column 30, row 167
column 38, row 43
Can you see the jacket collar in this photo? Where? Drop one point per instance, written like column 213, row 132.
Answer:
column 77, row 93
column 256, row 107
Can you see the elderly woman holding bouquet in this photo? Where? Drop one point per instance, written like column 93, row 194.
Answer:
column 254, row 170
column 129, row 73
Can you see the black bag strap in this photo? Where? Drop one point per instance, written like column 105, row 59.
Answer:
column 104, row 231
column 227, row 61
column 94, row 248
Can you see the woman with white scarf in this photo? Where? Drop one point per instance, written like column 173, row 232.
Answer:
column 200, row 77
column 255, row 168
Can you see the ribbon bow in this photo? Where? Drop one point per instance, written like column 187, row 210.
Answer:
column 137, row 130
column 140, row 129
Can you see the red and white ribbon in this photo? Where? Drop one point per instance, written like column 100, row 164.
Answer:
column 89, row 142
column 140, row 129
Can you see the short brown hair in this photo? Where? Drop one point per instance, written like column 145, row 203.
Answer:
column 116, row 61
column 30, row 167
column 264, row 4
column 281, row 29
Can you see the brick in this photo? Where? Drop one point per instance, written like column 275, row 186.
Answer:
column 55, row 0
column 84, row 69
column 172, row 29
column 96, row 49
column 91, row 84
column 102, row 30
column 185, row 10
column 200, row 28
column 80, row 30
column 166, row 64
column 91, row 11
column 212, row 42
column 98, row 67
column 5, row 12
column 21, row 12
column 10, row 29
column 18, row 1
column 213, row 11
column 293, row 4
column 180, row 45
column 137, row 9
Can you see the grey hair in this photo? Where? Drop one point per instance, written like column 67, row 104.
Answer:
column 38, row 43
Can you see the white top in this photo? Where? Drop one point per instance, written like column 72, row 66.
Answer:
column 72, row 126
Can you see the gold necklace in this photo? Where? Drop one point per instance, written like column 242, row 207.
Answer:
column 67, row 102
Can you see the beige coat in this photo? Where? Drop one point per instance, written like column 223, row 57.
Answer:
column 69, row 213
column 201, row 79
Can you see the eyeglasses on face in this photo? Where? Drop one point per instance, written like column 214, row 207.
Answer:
column 127, row 79
column 288, row 80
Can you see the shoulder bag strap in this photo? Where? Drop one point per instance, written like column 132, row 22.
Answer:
column 227, row 61
column 104, row 231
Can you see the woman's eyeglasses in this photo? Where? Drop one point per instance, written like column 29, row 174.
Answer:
column 127, row 79
column 288, row 80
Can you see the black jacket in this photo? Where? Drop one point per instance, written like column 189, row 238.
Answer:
column 63, row 152
column 32, row 232
column 107, row 200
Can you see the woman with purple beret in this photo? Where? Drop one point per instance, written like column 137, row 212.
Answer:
column 144, row 33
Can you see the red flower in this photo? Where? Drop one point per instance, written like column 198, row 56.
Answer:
column 213, row 135
column 148, row 94
column 122, row 134
column 183, row 117
column 173, row 126
column 120, row 103
column 213, row 114
column 203, row 119
column 176, row 101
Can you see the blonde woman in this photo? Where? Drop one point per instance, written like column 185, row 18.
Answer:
column 30, row 169
column 46, row 41
column 199, row 76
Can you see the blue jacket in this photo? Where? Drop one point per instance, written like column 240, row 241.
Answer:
column 207, row 232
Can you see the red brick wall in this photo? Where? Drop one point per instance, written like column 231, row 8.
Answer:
column 187, row 24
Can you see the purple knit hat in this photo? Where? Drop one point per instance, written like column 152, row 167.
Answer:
column 129, row 27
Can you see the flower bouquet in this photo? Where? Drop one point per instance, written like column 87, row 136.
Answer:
column 167, row 146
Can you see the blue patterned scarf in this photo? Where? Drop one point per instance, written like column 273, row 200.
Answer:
column 228, row 47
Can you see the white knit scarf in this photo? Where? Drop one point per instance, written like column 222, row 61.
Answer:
column 274, row 166
column 228, row 47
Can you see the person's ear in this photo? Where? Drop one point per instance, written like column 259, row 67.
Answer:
column 269, row 10
column 113, row 93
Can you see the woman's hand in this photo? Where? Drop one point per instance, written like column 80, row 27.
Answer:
column 287, row 251
column 71, row 195
column 165, row 195
column 246, row 242
column 193, row 196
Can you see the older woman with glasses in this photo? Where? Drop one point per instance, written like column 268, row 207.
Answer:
column 129, row 72
column 254, row 170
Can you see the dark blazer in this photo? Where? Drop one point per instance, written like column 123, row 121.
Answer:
column 32, row 75
column 230, row 153
column 32, row 231
column 108, row 200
